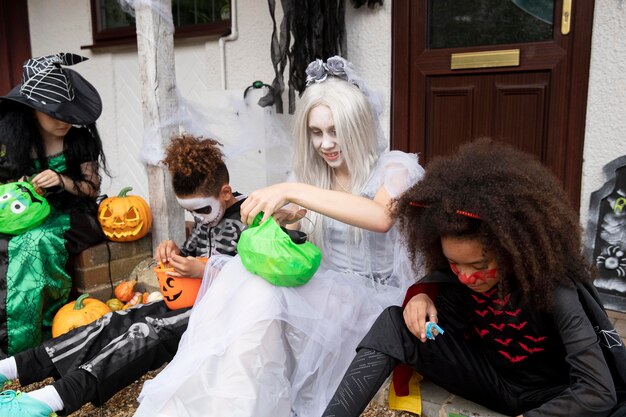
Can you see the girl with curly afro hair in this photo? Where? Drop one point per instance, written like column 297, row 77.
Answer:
column 506, row 315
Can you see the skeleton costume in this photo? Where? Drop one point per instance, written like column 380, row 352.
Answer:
column 93, row 362
column 206, row 240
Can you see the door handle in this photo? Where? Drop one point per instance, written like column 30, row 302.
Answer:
column 566, row 17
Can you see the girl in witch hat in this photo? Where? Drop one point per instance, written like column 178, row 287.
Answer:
column 92, row 363
column 47, row 134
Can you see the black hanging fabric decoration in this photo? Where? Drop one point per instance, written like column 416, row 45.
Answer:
column 370, row 3
column 318, row 30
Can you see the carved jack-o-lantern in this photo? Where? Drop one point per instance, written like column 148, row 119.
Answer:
column 124, row 218
column 178, row 292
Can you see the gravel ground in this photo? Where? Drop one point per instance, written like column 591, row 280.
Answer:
column 379, row 410
column 124, row 403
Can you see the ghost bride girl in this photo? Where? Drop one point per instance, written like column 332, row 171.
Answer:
column 253, row 349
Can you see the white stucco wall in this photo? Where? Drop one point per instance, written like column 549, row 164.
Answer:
column 114, row 72
column 605, row 133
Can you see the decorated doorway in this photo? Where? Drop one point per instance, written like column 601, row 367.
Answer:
column 513, row 70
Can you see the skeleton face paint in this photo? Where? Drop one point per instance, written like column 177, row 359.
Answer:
column 206, row 210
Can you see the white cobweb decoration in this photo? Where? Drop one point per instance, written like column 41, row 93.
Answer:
column 129, row 7
column 257, row 145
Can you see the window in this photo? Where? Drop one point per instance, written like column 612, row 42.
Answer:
column 113, row 26
column 454, row 24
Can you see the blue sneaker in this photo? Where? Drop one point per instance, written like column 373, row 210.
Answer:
column 20, row 404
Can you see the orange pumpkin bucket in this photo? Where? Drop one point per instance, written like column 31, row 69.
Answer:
column 178, row 292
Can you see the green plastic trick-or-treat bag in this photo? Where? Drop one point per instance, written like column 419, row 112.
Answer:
column 268, row 251
column 21, row 208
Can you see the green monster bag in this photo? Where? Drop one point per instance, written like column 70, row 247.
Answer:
column 268, row 251
column 21, row 208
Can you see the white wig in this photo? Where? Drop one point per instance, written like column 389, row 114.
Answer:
column 357, row 135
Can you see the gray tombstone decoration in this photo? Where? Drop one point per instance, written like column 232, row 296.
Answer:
column 605, row 240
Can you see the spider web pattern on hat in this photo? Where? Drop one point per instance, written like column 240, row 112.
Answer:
column 44, row 80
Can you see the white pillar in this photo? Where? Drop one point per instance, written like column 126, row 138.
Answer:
column 155, row 47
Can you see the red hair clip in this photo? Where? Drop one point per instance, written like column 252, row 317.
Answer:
column 461, row 212
column 468, row 214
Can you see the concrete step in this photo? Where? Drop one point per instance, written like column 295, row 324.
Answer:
column 436, row 402
column 619, row 321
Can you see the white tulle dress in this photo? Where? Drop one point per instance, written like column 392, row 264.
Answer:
column 256, row 350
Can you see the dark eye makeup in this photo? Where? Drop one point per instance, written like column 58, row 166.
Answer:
column 204, row 210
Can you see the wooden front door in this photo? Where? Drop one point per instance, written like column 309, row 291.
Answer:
column 513, row 70
column 14, row 42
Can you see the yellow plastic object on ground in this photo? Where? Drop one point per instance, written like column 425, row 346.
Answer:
column 412, row 402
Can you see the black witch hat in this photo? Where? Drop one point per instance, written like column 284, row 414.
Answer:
column 56, row 91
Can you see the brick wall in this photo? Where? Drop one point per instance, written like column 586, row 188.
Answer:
column 90, row 269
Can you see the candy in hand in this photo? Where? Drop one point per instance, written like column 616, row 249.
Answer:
column 432, row 330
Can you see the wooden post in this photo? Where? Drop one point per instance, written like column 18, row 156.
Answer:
column 155, row 47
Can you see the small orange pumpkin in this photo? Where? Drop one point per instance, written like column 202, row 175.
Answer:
column 78, row 313
column 125, row 290
column 124, row 218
